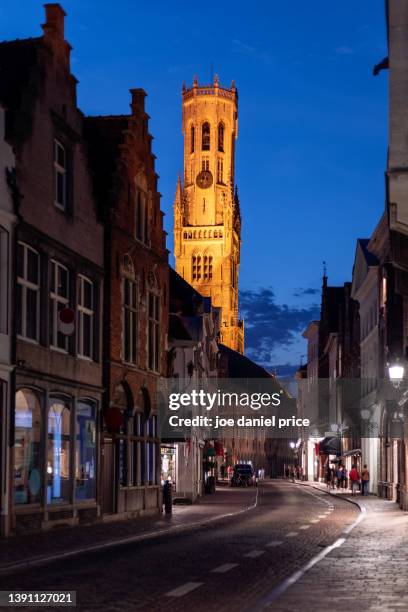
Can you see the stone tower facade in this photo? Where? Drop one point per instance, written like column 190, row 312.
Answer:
column 207, row 220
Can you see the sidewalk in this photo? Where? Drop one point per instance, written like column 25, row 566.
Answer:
column 32, row 549
column 367, row 573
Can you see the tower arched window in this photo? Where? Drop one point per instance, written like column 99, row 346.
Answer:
column 207, row 267
column 205, row 137
column 196, row 267
column 192, row 139
column 221, row 130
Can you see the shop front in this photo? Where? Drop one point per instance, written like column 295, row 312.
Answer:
column 55, row 459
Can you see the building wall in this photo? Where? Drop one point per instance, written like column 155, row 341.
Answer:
column 137, row 284
column 7, row 231
column 60, row 254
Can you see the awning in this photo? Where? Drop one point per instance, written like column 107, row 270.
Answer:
column 330, row 446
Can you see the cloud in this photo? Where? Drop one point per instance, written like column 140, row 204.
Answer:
column 251, row 51
column 301, row 292
column 270, row 326
column 344, row 50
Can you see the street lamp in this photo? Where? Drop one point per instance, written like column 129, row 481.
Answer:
column 396, row 373
column 292, row 445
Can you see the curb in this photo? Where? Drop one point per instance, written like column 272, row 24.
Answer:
column 150, row 535
column 359, row 505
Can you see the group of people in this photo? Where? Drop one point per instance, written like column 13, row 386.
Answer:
column 294, row 472
column 338, row 477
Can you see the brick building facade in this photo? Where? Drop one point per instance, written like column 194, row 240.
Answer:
column 136, row 306
column 58, row 371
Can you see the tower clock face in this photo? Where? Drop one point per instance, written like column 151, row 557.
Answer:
column 204, row 179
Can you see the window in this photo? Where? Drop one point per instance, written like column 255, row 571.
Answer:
column 151, row 450
column 221, row 137
column 130, row 320
column 4, row 280
column 60, row 175
column 220, row 171
column 208, row 267
column 192, row 139
column 85, row 317
column 27, row 472
column 154, row 332
column 196, row 267
column 141, row 218
column 59, row 295
column 58, row 451
column 28, row 292
column 85, row 450
column 205, row 163
column 138, row 449
column 205, row 137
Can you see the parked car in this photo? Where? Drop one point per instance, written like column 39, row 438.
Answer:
column 243, row 476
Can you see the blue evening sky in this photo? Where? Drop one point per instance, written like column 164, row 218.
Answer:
column 312, row 139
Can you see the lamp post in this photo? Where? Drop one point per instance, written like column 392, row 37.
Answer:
column 396, row 373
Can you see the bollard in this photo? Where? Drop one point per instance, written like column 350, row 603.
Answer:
column 168, row 497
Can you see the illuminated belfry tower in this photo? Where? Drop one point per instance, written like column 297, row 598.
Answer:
column 207, row 220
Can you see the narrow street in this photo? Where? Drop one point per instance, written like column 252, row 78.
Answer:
column 232, row 564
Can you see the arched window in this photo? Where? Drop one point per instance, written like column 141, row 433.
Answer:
column 85, row 450
column 205, row 137
column 192, row 139
column 27, row 474
column 196, row 267
column 221, row 137
column 58, row 451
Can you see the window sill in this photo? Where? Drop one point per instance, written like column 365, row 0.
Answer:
column 28, row 340
column 85, row 358
column 60, row 207
column 57, row 349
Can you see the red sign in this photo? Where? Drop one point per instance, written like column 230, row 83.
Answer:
column 66, row 321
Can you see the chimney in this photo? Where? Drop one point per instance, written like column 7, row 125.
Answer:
column 53, row 27
column 138, row 101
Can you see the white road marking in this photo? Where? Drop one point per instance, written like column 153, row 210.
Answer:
column 291, row 534
column 184, row 589
column 304, row 527
column 275, row 543
column 226, row 567
column 315, row 521
column 254, row 554
column 322, row 516
column 268, row 599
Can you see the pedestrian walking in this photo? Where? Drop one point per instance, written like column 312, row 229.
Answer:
column 329, row 476
column 365, row 480
column 344, row 478
column 339, row 476
column 354, row 478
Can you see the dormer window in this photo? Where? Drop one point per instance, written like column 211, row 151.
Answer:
column 205, row 138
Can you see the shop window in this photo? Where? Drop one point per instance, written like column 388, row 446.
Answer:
column 59, row 297
column 27, row 473
column 58, row 451
column 85, row 450
column 28, row 292
column 141, row 217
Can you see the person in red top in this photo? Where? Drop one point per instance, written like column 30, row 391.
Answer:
column 354, row 478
